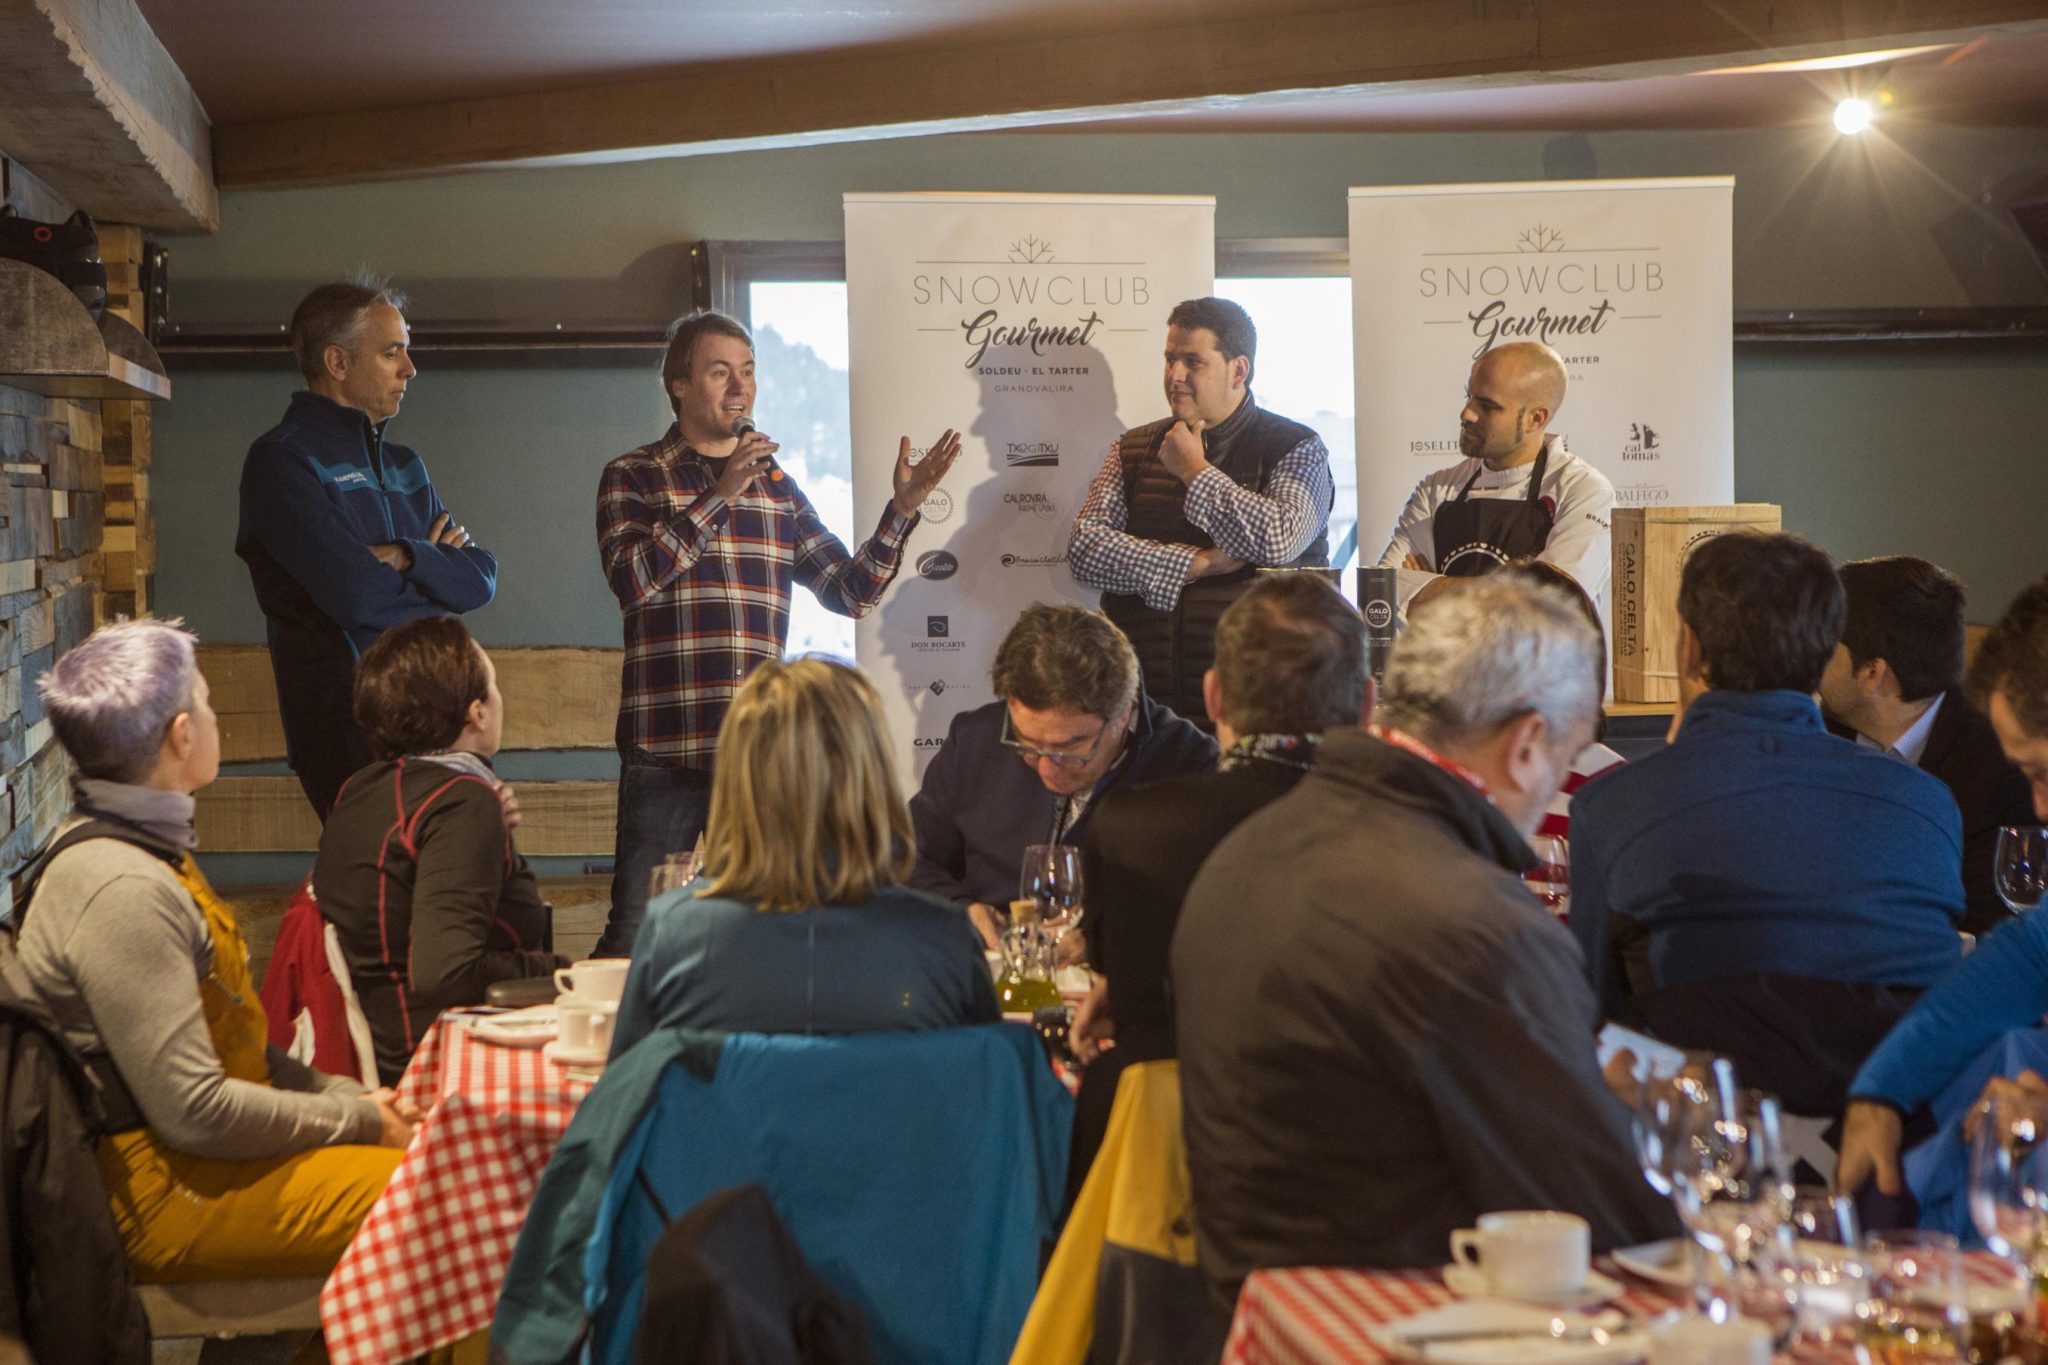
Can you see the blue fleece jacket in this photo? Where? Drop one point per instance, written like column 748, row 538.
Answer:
column 1758, row 842
column 320, row 488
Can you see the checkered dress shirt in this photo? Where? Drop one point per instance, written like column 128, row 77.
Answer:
column 1263, row 528
column 704, row 586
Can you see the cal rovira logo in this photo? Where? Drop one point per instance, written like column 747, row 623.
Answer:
column 937, row 564
column 1038, row 504
column 1031, row 454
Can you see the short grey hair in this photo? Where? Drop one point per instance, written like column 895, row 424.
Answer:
column 335, row 315
column 1486, row 652
column 112, row 699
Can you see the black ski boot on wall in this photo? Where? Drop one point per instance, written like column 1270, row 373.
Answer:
column 69, row 250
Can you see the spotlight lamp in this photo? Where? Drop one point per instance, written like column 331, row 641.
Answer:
column 1853, row 115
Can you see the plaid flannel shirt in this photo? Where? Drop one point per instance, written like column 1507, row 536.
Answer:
column 704, row 586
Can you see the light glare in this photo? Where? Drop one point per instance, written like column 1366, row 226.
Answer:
column 1853, row 115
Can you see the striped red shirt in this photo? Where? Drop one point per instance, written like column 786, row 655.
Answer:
column 704, row 586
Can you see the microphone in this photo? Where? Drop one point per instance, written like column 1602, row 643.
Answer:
column 746, row 424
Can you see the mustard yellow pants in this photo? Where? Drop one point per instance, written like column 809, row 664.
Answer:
column 186, row 1217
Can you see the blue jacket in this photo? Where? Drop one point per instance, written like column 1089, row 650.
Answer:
column 2000, row 987
column 917, row 1172
column 1757, row 842
column 899, row 962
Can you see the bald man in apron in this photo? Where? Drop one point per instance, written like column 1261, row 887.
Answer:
column 1517, row 494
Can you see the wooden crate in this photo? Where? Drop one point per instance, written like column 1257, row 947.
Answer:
column 1650, row 546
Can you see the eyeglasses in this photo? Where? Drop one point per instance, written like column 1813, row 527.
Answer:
column 1024, row 751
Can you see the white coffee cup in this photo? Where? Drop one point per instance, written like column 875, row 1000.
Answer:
column 584, row 1027
column 594, row 980
column 1531, row 1254
column 1702, row 1341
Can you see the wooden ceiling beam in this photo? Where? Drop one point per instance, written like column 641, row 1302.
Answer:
column 1364, row 46
column 92, row 104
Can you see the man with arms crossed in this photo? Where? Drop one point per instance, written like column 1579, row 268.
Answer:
column 342, row 530
column 702, row 540
column 1517, row 494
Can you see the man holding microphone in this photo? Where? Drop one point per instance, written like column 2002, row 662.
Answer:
column 702, row 538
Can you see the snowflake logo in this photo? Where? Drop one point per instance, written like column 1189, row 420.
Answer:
column 1031, row 251
column 1540, row 239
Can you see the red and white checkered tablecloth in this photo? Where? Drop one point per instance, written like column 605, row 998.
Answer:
column 1321, row 1316
column 424, row 1269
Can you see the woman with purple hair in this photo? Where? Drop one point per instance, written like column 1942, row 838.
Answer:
column 225, row 1159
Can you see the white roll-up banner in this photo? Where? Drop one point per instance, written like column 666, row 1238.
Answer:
column 1033, row 324
column 1630, row 281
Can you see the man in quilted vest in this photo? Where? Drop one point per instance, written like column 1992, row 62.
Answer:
column 1186, row 510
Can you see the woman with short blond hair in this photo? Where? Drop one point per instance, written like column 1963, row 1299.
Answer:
column 798, row 922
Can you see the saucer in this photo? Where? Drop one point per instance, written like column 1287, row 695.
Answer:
column 564, row 1056
column 1491, row 1332
column 1468, row 1283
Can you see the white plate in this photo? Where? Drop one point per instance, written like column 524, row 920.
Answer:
column 531, row 1027
column 1625, row 1346
column 1662, row 1262
column 1468, row 1283
column 562, row 1056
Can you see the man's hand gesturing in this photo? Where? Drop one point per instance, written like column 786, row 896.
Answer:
column 915, row 482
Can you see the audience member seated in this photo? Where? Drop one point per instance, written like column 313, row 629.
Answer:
column 798, row 922
column 228, row 1160
column 1595, row 758
column 429, row 900
column 1757, row 842
column 1290, row 663
column 1895, row 684
column 1381, row 1034
column 1069, row 705
column 2004, row 984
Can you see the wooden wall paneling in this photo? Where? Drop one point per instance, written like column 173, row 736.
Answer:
column 270, row 815
column 555, row 698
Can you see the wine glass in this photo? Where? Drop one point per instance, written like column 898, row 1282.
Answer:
column 1550, row 880
column 2009, row 1179
column 2022, row 869
column 1918, row 1309
column 1051, row 880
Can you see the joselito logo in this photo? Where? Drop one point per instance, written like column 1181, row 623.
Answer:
column 1038, row 504
column 937, row 564
column 938, row 506
column 1031, row 561
column 1032, row 454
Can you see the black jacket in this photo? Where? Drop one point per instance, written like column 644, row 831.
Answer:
column 65, row 1285
column 1382, row 1035
column 1963, row 751
column 980, row 807
column 430, row 901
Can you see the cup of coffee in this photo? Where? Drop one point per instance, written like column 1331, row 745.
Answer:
column 595, row 980
column 584, row 1027
column 1531, row 1254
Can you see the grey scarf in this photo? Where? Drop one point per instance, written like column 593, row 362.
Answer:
column 166, row 815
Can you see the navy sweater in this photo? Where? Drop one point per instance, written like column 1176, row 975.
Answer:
column 1757, row 842
column 318, row 489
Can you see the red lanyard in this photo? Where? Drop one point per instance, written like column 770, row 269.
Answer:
column 1402, row 740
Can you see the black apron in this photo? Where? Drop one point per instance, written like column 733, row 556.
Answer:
column 1477, row 537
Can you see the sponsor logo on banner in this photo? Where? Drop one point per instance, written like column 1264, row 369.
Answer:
column 938, row 506
column 937, row 687
column 937, row 564
column 929, row 743
column 1038, row 504
column 1031, row 561
column 938, row 637
column 1641, row 443
column 1031, row 454
column 1030, row 300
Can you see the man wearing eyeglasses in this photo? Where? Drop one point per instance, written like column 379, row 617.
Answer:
column 1070, row 722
